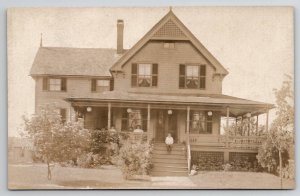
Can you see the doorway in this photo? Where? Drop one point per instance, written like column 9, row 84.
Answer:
column 166, row 123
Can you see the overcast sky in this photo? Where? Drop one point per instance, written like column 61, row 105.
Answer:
column 255, row 44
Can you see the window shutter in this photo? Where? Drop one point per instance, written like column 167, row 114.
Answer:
column 181, row 76
column 154, row 74
column 134, row 74
column 202, row 76
column 111, row 84
column 63, row 84
column 45, row 84
column 93, row 85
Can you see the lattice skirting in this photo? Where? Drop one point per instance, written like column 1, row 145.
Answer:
column 207, row 160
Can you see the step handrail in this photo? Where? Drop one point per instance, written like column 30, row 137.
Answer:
column 189, row 157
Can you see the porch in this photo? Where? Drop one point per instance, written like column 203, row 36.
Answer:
column 194, row 122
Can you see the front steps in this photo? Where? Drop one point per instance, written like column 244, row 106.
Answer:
column 172, row 163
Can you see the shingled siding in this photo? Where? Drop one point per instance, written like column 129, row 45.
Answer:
column 76, row 87
column 168, row 61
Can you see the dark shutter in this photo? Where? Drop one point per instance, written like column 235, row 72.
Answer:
column 45, row 84
column 93, row 85
column 154, row 74
column 63, row 84
column 181, row 76
column 134, row 74
column 111, row 84
column 63, row 114
column 202, row 76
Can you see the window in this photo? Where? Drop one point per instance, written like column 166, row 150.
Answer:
column 144, row 75
column 137, row 117
column 192, row 76
column 54, row 84
column 100, row 85
column 63, row 114
column 169, row 45
column 200, row 122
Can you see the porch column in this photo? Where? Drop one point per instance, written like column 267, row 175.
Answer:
column 227, row 125
column 256, row 124
column 267, row 120
column 109, row 116
column 188, row 124
column 148, row 123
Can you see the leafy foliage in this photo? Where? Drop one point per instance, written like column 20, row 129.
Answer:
column 55, row 141
column 280, row 137
column 135, row 158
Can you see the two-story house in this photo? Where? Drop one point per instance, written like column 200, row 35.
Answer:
column 168, row 82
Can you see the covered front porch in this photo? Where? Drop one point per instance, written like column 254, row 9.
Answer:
column 197, row 121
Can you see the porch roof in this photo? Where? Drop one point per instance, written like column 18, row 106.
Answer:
column 238, row 106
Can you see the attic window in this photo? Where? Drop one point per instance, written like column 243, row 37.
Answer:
column 169, row 45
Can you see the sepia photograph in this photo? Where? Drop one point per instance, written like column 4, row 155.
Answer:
column 178, row 97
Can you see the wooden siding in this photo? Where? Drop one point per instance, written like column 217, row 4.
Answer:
column 168, row 61
column 76, row 86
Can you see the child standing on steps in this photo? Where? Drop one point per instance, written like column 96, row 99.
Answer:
column 169, row 142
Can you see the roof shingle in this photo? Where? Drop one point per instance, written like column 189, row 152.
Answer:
column 74, row 61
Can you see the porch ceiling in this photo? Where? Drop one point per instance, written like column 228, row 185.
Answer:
column 237, row 106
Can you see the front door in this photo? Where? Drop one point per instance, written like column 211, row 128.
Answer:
column 166, row 123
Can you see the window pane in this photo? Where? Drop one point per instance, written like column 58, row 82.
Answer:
column 192, row 71
column 144, row 69
column 103, row 83
column 54, row 84
column 144, row 81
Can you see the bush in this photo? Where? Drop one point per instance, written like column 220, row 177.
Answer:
column 135, row 159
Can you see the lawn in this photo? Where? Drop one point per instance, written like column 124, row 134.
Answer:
column 27, row 176
column 239, row 180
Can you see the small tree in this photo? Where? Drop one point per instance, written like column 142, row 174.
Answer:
column 53, row 140
column 281, row 134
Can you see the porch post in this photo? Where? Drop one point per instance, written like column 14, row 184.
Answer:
column 109, row 116
column 256, row 124
column 227, row 118
column 267, row 120
column 226, row 152
column 148, row 122
column 188, row 124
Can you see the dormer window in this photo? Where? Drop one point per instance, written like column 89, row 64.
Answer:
column 144, row 75
column 192, row 76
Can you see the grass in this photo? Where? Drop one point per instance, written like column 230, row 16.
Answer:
column 239, row 180
column 28, row 176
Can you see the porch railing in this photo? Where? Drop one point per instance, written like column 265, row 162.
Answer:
column 236, row 142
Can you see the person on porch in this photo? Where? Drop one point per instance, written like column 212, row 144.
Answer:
column 138, row 129
column 169, row 142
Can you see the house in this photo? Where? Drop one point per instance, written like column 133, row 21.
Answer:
column 168, row 82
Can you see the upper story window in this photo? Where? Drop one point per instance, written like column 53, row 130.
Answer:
column 100, row 85
column 169, row 45
column 144, row 75
column 54, row 84
column 192, row 76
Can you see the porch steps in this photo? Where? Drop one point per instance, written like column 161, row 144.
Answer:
column 172, row 163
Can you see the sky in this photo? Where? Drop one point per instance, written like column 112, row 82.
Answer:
column 255, row 44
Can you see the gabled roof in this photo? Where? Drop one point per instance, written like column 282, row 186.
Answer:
column 170, row 28
column 74, row 61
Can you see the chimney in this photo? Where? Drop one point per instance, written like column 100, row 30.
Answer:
column 120, row 28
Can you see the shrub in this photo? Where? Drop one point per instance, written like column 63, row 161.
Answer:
column 135, row 159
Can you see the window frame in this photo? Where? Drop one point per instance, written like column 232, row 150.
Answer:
column 97, row 88
column 208, row 123
column 183, row 78
column 136, row 76
column 46, row 84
